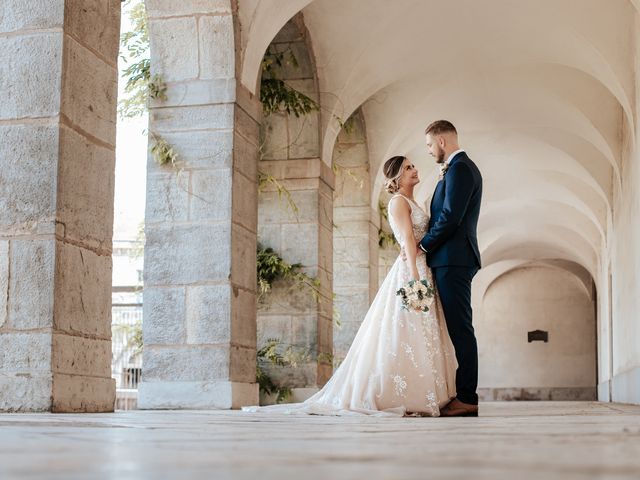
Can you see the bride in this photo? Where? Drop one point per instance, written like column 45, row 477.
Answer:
column 400, row 362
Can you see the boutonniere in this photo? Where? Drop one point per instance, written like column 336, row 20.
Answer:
column 443, row 169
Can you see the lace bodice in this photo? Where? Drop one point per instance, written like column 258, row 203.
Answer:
column 419, row 218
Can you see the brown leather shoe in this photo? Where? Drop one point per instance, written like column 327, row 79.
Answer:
column 456, row 408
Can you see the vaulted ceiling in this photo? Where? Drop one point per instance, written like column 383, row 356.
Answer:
column 540, row 92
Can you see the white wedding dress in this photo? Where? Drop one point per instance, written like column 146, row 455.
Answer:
column 400, row 362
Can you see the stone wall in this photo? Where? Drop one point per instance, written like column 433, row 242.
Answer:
column 57, row 123
column 624, row 254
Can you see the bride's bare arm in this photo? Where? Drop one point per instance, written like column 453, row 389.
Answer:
column 401, row 212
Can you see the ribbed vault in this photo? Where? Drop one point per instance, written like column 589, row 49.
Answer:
column 540, row 92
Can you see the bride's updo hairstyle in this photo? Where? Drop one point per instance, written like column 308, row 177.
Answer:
column 393, row 171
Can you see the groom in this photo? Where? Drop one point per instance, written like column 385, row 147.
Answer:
column 452, row 252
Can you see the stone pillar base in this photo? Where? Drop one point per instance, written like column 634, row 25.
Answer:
column 196, row 395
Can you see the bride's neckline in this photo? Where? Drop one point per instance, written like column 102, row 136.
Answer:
column 409, row 200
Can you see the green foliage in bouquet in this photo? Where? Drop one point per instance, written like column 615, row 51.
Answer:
column 416, row 294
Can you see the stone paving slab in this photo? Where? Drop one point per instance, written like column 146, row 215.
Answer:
column 523, row 440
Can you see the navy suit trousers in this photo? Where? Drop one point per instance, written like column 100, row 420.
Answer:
column 454, row 287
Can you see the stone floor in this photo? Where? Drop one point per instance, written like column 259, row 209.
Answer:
column 517, row 440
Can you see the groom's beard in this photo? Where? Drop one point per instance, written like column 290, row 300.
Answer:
column 440, row 156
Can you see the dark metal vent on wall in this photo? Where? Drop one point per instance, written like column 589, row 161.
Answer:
column 538, row 336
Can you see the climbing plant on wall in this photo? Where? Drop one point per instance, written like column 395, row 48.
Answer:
column 141, row 86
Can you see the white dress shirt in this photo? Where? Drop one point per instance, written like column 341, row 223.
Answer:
column 453, row 155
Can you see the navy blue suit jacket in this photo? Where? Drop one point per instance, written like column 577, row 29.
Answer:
column 455, row 207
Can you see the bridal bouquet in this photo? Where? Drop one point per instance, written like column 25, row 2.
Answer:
column 417, row 295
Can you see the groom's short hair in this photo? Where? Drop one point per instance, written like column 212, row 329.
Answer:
column 439, row 127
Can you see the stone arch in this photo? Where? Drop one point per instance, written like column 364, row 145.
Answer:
column 557, row 297
column 290, row 153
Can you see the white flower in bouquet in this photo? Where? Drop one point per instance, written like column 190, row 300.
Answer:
column 417, row 295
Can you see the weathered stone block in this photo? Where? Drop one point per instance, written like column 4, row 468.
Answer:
column 353, row 219
column 275, row 137
column 174, row 48
column 211, row 195
column 75, row 393
column 30, row 75
column 243, row 265
column 285, row 298
column 167, row 197
column 25, row 392
column 351, row 155
column 164, row 316
column 32, row 15
column 349, row 250
column 31, row 284
column 275, row 209
column 28, row 199
column 95, row 24
column 184, row 119
column 300, row 243
column 217, row 51
column 82, row 291
column 208, row 314
column 201, row 149
column 270, row 236
column 243, row 364
column 304, row 136
column 295, row 169
column 197, row 92
column 196, row 395
column 168, row 8
column 85, row 190
column 325, row 249
column 274, row 327
column 168, row 262
column 246, row 126
column 89, row 92
column 245, row 156
column 186, row 363
column 25, row 352
column 304, row 330
column 4, row 280
column 243, row 317
column 352, row 304
column 81, row 356
column 245, row 201
column 354, row 276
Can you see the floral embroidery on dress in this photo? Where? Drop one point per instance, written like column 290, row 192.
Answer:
column 400, row 384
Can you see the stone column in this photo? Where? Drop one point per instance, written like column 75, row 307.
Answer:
column 199, row 326
column 355, row 234
column 58, row 127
